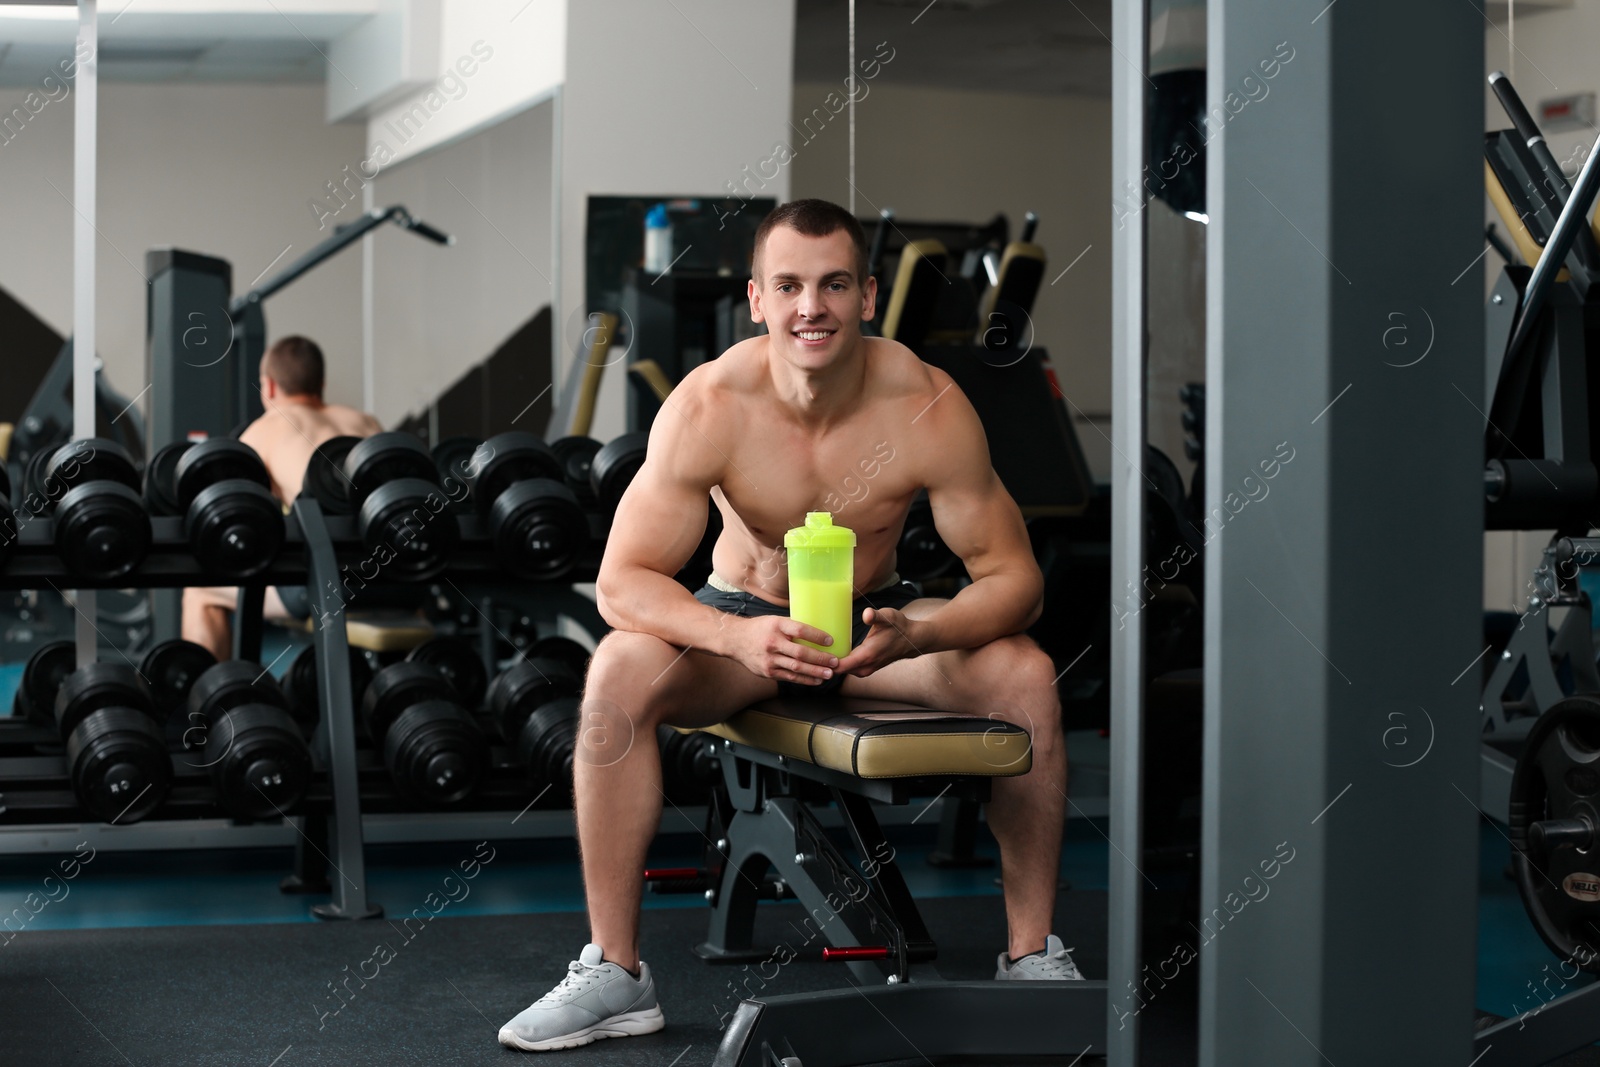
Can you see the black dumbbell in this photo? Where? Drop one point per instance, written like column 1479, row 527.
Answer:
column 615, row 465
column 233, row 522
column 325, row 480
column 563, row 650
column 161, row 479
column 300, row 684
column 922, row 553
column 116, row 750
column 406, row 521
column 460, row 664
column 577, row 460
column 689, row 765
column 238, row 719
column 433, row 748
column 535, row 704
column 36, row 695
column 170, row 670
column 102, row 530
column 457, row 460
column 538, row 526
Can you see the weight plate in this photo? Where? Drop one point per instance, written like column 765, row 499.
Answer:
column 261, row 765
column 101, row 530
column 409, row 531
column 161, row 479
column 396, row 688
column 460, row 664
column 34, row 498
column 42, row 677
column 119, row 765
column 387, row 457
column 457, row 460
column 564, row 650
column 325, row 480
column 546, row 742
column 510, row 458
column 615, row 465
column 217, row 460
column 170, row 670
column 521, row 689
column 922, row 553
column 435, row 753
column 231, row 684
column 90, row 459
column 301, row 685
column 577, row 459
column 539, row 529
column 1554, row 815
column 235, row 528
column 100, row 685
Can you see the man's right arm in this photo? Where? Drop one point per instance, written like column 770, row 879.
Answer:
column 658, row 526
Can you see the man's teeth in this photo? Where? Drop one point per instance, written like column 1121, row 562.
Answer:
column 812, row 335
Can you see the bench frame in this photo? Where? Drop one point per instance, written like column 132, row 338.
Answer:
column 897, row 1006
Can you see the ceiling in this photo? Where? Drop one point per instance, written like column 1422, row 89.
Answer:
column 1048, row 47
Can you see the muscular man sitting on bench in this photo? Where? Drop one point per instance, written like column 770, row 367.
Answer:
column 811, row 417
column 295, row 422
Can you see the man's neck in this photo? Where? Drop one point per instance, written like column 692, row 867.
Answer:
column 305, row 400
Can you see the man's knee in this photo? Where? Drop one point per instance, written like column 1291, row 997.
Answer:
column 1017, row 670
column 621, row 672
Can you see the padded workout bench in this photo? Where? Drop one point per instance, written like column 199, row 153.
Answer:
column 782, row 753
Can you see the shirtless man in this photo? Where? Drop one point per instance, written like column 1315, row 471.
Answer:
column 778, row 426
column 295, row 422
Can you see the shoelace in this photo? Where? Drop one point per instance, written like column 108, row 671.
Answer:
column 579, row 978
column 1058, row 964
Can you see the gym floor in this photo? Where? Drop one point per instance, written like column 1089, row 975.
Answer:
column 161, row 900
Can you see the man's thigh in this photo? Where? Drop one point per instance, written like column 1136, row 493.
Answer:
column 929, row 680
column 685, row 687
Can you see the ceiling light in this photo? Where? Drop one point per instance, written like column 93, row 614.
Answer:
column 60, row 12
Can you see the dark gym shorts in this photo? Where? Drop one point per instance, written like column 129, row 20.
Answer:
column 725, row 597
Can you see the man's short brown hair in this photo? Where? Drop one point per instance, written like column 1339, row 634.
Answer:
column 295, row 364
column 813, row 218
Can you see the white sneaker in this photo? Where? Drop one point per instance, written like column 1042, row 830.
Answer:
column 1055, row 965
column 593, row 1001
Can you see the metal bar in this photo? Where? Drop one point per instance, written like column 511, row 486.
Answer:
column 338, row 722
column 1131, row 40
column 1574, row 214
column 1565, row 1024
column 85, row 118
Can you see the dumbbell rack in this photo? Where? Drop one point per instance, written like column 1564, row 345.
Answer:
column 315, row 545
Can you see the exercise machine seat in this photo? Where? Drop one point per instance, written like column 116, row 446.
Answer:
column 869, row 738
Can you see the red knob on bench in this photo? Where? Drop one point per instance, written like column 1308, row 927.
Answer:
column 858, row 952
column 658, row 874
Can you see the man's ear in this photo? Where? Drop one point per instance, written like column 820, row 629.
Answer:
column 754, row 294
column 869, row 305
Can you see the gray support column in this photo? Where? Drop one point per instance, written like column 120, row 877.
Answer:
column 85, row 126
column 1130, row 30
column 1344, row 561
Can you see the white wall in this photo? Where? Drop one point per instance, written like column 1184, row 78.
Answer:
column 438, row 311
column 941, row 154
column 222, row 169
column 496, row 57
column 678, row 104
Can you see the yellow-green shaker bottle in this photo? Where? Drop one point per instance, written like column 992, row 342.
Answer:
column 821, row 578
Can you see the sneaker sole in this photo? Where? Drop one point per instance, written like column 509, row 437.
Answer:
column 627, row 1024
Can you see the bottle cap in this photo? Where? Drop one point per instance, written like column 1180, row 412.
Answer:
column 819, row 532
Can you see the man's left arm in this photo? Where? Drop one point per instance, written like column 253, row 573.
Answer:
column 981, row 524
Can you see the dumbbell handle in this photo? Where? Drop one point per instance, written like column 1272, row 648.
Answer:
column 1552, row 833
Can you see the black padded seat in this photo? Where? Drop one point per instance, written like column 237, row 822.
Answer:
column 869, row 738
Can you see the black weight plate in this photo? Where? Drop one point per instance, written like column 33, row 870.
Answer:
column 457, row 460
column 235, row 528
column 512, row 457
column 435, row 753
column 230, row 684
column 563, row 650
column 396, row 688
column 325, row 480
column 546, row 744
column 615, row 465
column 577, row 457
column 170, row 669
column 119, row 765
column 101, row 530
column 460, row 664
column 100, row 685
column 90, row 459
column 539, row 529
column 1558, row 778
column 387, row 457
column 261, row 766
column 522, row 688
column 922, row 553
column 217, row 460
column 46, row 669
column 161, row 479
column 409, row 529
column 301, row 685
column 34, row 498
